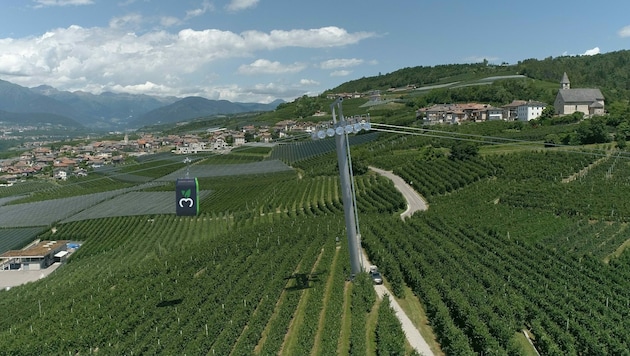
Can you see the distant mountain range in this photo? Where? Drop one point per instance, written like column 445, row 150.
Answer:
column 193, row 106
column 108, row 111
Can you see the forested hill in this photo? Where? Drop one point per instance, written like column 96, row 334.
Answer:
column 609, row 72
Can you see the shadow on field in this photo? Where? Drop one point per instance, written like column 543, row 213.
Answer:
column 304, row 280
column 169, row 303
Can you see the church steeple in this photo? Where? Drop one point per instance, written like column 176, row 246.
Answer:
column 565, row 83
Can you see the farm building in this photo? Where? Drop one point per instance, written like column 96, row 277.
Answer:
column 36, row 257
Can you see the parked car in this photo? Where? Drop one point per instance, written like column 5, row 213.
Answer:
column 376, row 275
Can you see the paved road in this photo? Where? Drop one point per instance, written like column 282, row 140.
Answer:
column 411, row 332
column 415, row 202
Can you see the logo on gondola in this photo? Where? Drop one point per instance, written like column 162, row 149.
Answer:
column 186, row 199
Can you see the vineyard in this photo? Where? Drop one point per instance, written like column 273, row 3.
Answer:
column 515, row 247
column 181, row 285
column 531, row 241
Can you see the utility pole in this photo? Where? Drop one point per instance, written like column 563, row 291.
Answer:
column 341, row 130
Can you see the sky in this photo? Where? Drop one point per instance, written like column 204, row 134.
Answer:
column 263, row 50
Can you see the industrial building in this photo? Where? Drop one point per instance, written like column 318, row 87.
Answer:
column 36, row 257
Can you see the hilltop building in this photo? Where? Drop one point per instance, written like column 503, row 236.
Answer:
column 588, row 101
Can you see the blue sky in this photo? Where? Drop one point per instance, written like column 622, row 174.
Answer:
column 262, row 50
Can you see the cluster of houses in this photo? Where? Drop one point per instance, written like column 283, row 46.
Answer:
column 456, row 113
column 41, row 159
column 61, row 163
column 590, row 102
column 222, row 140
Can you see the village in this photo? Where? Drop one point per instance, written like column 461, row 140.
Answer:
column 48, row 160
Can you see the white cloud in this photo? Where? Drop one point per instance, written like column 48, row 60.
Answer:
column 115, row 58
column 130, row 20
column 261, row 93
column 205, row 7
column 340, row 73
column 147, row 87
column 238, row 5
column 314, row 38
column 264, row 66
column 169, row 21
column 308, row 82
column 591, row 52
column 624, row 32
column 340, row 63
column 47, row 3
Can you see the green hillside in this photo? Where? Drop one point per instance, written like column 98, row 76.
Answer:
column 605, row 71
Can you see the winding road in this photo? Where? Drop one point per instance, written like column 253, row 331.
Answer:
column 415, row 202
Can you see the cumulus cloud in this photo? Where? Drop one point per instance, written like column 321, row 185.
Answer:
column 264, row 66
column 147, row 87
column 624, row 32
column 117, row 59
column 340, row 63
column 47, row 3
column 238, row 5
column 591, row 52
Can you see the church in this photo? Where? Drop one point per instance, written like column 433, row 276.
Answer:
column 588, row 101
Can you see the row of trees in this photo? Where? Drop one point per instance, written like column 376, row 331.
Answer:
column 188, row 285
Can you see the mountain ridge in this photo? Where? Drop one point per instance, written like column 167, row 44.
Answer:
column 192, row 107
column 108, row 110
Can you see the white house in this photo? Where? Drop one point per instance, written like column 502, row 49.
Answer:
column 219, row 144
column 193, row 147
column 239, row 140
column 530, row 110
column 61, row 174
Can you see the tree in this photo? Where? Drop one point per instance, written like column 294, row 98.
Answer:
column 359, row 166
column 463, row 150
column 592, row 131
column 548, row 112
column 621, row 143
column 623, row 131
column 552, row 140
